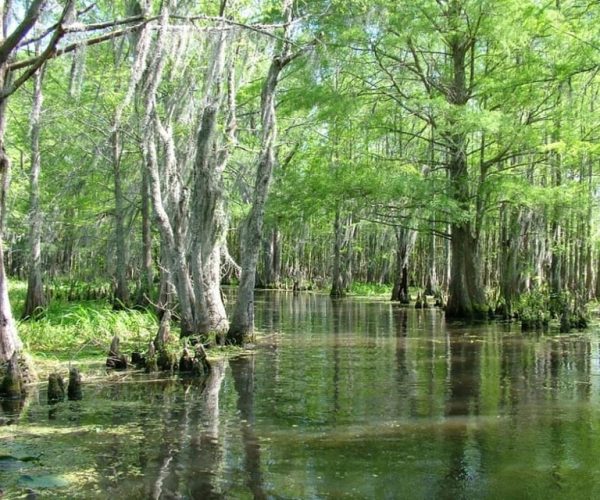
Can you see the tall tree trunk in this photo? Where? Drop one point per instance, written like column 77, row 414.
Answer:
column 209, row 220
column 147, row 279
column 265, row 280
column 35, row 300
column 9, row 338
column 191, row 243
column 172, row 246
column 10, row 344
column 515, row 225
column 405, row 241
column 121, row 297
column 166, row 289
column 466, row 295
column 337, row 285
column 217, row 315
column 432, row 285
column 348, row 253
column 276, row 262
column 242, row 322
column 208, row 226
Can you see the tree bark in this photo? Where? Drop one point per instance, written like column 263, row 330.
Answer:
column 337, row 286
column 121, row 297
column 516, row 224
column 147, row 279
column 192, row 225
column 265, row 279
column 405, row 241
column 466, row 295
column 35, row 301
column 276, row 262
column 242, row 322
column 9, row 338
column 209, row 221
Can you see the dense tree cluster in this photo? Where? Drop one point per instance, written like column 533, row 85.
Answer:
column 168, row 147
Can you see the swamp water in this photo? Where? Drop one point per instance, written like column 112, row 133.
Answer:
column 352, row 398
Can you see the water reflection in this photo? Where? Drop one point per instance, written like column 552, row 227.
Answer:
column 462, row 402
column 353, row 398
column 242, row 370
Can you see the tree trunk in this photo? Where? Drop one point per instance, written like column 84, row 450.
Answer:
column 217, row 316
column 337, row 286
column 121, row 297
column 466, row 298
column 466, row 295
column 191, row 244
column 515, row 224
column 405, row 240
column 276, row 269
column 431, row 286
column 166, row 288
column 35, row 300
column 146, row 286
column 209, row 221
column 208, row 227
column 348, row 254
column 10, row 344
column 242, row 322
column 9, row 338
column 265, row 279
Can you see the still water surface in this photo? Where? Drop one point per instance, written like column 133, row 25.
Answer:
column 352, row 398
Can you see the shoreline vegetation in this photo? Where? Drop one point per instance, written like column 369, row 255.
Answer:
column 152, row 152
column 79, row 331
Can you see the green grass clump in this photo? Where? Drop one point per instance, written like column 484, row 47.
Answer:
column 533, row 309
column 370, row 289
column 69, row 329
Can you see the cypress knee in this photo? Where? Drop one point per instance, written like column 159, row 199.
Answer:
column 74, row 391
column 56, row 388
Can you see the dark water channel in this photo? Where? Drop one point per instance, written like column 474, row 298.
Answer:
column 354, row 398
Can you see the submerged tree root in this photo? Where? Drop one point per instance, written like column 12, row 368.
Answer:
column 16, row 375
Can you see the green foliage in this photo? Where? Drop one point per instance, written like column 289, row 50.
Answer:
column 85, row 327
column 534, row 309
column 370, row 289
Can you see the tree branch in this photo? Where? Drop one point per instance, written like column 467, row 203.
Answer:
column 21, row 30
column 48, row 53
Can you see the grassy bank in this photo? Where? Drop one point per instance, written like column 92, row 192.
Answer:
column 79, row 329
column 360, row 289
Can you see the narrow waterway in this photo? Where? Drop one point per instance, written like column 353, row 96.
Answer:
column 352, row 398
